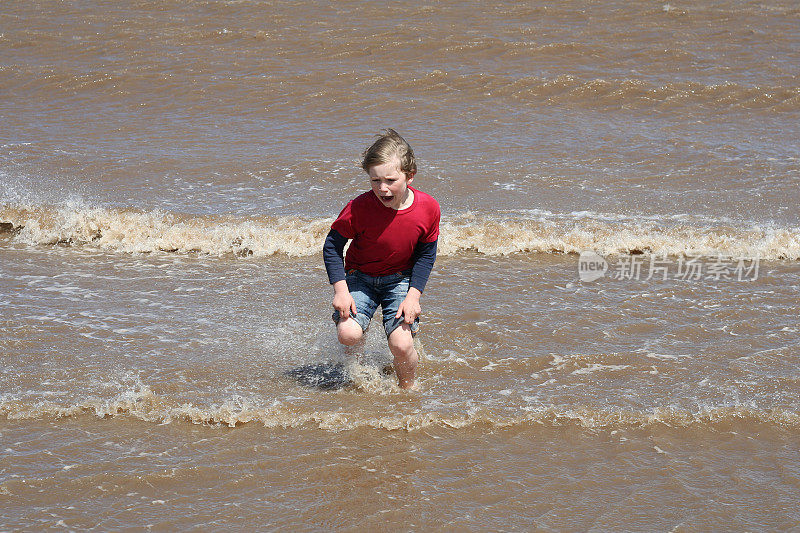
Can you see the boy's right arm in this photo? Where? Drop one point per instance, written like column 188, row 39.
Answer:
column 342, row 300
column 333, row 255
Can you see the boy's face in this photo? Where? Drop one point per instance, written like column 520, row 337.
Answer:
column 389, row 183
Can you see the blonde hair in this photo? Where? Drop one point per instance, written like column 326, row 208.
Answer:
column 388, row 146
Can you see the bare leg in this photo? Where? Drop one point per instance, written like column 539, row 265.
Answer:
column 350, row 335
column 401, row 344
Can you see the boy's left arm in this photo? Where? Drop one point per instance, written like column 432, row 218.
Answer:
column 425, row 256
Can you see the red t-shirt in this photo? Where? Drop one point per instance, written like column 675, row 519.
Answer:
column 383, row 238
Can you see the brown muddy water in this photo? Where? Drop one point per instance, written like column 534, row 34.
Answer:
column 168, row 171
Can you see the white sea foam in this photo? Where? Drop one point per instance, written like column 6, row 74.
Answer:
column 598, row 368
column 144, row 404
column 132, row 231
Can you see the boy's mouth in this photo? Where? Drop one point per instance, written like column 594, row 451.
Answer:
column 387, row 198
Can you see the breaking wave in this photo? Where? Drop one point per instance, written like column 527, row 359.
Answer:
column 145, row 405
column 130, row 231
column 157, row 231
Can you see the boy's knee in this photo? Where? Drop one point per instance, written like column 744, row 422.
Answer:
column 401, row 342
column 349, row 335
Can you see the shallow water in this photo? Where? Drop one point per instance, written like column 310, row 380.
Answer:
column 168, row 172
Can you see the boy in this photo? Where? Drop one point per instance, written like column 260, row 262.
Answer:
column 395, row 230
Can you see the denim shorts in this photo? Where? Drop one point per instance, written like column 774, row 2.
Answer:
column 371, row 291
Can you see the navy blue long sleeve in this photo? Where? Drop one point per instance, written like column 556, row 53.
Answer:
column 333, row 255
column 424, row 257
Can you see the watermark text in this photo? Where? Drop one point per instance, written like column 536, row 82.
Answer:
column 593, row 266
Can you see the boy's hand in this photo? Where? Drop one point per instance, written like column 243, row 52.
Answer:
column 409, row 308
column 343, row 301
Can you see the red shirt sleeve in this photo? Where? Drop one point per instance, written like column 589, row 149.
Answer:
column 433, row 230
column 345, row 223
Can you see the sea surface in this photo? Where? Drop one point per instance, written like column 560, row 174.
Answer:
column 610, row 337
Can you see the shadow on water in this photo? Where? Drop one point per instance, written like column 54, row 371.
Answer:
column 323, row 376
column 332, row 375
